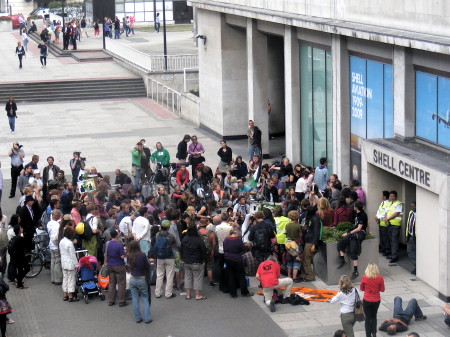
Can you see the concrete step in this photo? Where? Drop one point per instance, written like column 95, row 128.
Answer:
column 84, row 89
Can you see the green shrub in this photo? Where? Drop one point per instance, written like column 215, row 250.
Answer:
column 345, row 227
column 195, row 92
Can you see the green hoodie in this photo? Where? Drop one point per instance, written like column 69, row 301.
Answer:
column 161, row 156
column 135, row 157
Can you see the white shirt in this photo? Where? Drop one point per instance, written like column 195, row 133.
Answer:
column 4, row 224
column 93, row 222
column 347, row 301
column 222, row 231
column 10, row 233
column 50, row 175
column 52, row 230
column 244, row 228
column 68, row 257
column 141, row 228
column 301, row 186
column 126, row 225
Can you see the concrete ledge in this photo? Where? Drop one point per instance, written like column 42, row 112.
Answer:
column 6, row 26
column 327, row 261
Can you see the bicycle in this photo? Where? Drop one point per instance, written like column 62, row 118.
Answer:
column 40, row 257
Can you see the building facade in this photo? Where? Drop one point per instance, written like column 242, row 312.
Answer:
column 364, row 83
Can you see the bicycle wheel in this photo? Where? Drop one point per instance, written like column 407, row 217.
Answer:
column 35, row 263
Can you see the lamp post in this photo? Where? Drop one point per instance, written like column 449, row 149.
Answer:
column 103, row 24
column 154, row 14
column 165, row 38
column 63, row 14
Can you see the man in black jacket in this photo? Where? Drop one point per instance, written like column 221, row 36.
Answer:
column 312, row 237
column 49, row 173
column 145, row 161
column 29, row 219
column 18, row 256
column 261, row 235
column 122, row 178
column 182, row 149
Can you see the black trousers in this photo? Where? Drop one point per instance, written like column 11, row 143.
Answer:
column 20, row 60
column 384, row 240
column 15, row 173
column 222, row 273
column 3, row 324
column 43, row 60
column 73, row 39
column 22, row 269
column 236, row 276
column 65, row 42
column 394, row 236
column 370, row 311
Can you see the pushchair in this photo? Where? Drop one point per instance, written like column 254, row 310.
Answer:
column 87, row 278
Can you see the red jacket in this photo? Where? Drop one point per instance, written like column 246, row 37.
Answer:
column 372, row 288
column 179, row 177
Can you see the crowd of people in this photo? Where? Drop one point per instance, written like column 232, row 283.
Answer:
column 226, row 223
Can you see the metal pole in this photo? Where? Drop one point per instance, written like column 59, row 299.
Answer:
column 63, row 15
column 103, row 24
column 165, row 38
column 154, row 13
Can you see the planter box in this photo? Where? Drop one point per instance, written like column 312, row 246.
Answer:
column 327, row 260
column 6, row 26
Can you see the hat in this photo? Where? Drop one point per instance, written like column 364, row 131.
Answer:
column 166, row 223
column 28, row 198
column 67, row 217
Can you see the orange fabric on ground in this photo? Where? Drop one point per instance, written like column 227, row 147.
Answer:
column 317, row 295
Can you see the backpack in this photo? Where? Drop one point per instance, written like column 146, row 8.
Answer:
column 205, row 238
column 261, row 239
column 87, row 234
column 162, row 249
column 292, row 248
column 45, row 218
column 11, row 248
column 3, row 242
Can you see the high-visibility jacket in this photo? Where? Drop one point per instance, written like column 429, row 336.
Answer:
column 390, row 210
column 410, row 229
column 281, row 222
column 381, row 212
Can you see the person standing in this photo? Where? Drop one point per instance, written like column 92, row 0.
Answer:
column 254, row 140
column 226, row 157
column 195, row 151
column 53, row 232
column 372, row 283
column 346, row 297
column 146, row 154
column 157, row 23
column 49, row 173
column 83, row 26
column 385, row 246
column 16, row 154
column 96, row 29
column 132, row 20
column 139, row 286
column 25, row 39
column 18, row 259
column 165, row 263
column 411, row 236
column 312, row 224
column 193, row 254
column 141, row 230
column 321, row 174
column 11, row 112
column 393, row 218
column 76, row 165
column 66, row 36
column 20, row 51
column 116, row 28
column 125, row 26
column 69, row 263
column 73, row 35
column 136, row 157
column 114, row 259
column 182, row 149
column 43, row 54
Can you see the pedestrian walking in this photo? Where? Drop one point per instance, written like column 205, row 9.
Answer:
column 20, row 51
column 139, row 285
column 157, row 23
column 43, row 54
column 96, row 29
column 11, row 112
column 116, row 28
column 372, row 283
column 83, row 26
column 25, row 39
column 346, row 297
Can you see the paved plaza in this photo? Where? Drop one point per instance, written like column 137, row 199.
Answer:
column 105, row 131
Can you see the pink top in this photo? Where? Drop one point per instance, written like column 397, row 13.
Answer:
column 372, row 288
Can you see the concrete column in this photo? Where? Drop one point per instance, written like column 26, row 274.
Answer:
column 341, row 108
column 292, row 93
column 258, row 91
column 404, row 119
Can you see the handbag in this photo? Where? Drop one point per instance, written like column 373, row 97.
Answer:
column 104, row 270
column 359, row 312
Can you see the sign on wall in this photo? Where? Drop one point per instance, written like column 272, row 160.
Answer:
column 371, row 106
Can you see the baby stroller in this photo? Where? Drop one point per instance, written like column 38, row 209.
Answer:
column 87, row 278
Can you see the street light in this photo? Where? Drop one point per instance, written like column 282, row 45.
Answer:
column 103, row 24
column 165, row 39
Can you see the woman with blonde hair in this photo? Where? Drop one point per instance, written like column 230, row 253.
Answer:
column 372, row 283
column 325, row 212
column 346, row 298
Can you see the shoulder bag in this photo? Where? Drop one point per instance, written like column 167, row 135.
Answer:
column 359, row 312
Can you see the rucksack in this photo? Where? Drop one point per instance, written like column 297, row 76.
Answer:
column 3, row 242
column 45, row 219
column 162, row 248
column 87, row 234
column 205, row 238
column 261, row 239
column 292, row 248
column 11, row 248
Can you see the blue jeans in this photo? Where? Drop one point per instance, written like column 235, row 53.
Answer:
column 411, row 310
column 117, row 33
column 253, row 150
column 12, row 122
column 137, row 177
column 139, row 289
column 145, row 246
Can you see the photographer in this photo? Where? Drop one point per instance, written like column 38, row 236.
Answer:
column 17, row 154
column 136, row 157
column 77, row 163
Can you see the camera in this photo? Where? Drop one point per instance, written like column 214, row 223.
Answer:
column 79, row 156
column 19, row 146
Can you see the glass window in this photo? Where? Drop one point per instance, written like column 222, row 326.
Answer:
column 139, row 6
column 374, row 100
column 433, row 108
column 388, row 102
column 129, row 8
column 316, row 105
column 426, row 105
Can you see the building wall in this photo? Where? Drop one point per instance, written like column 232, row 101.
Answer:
column 21, row 7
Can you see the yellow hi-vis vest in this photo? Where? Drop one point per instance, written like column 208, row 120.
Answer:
column 390, row 209
column 382, row 211
column 281, row 222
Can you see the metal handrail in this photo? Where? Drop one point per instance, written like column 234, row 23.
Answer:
column 165, row 96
